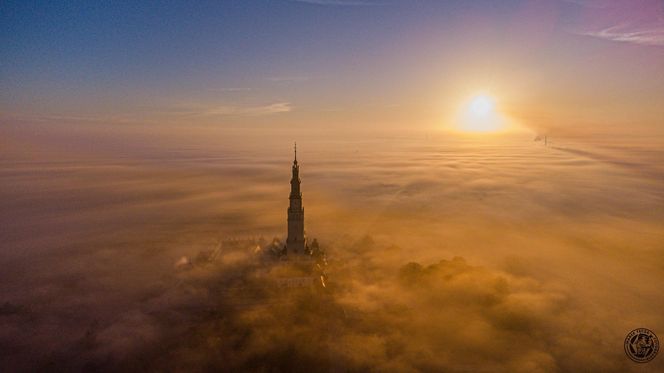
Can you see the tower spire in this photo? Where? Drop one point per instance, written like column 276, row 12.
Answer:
column 296, row 242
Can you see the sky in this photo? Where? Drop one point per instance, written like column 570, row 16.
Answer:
column 566, row 67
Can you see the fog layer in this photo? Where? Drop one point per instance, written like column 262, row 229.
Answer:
column 445, row 255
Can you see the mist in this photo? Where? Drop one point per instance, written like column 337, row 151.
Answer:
column 445, row 254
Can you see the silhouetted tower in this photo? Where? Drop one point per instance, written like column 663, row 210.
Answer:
column 296, row 242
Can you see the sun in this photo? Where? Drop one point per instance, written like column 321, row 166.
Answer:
column 479, row 114
column 481, row 106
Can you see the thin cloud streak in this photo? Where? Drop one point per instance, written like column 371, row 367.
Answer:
column 338, row 2
column 192, row 111
column 48, row 118
column 288, row 78
column 231, row 89
column 638, row 22
column 275, row 108
column 645, row 35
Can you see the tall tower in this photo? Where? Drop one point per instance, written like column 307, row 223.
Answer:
column 296, row 242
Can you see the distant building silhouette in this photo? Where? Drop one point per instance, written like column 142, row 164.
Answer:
column 296, row 263
column 296, row 243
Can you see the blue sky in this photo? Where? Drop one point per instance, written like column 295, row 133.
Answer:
column 163, row 60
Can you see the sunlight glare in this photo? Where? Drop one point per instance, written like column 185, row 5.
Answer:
column 479, row 114
column 481, row 105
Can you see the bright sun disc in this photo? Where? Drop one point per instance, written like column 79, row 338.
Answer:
column 480, row 115
column 481, row 105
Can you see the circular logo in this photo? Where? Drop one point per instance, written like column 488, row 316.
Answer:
column 641, row 345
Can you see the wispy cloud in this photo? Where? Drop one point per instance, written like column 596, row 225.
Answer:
column 227, row 110
column 230, row 89
column 633, row 33
column 589, row 3
column 638, row 22
column 288, row 78
column 338, row 2
column 152, row 115
column 119, row 119
column 231, row 110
